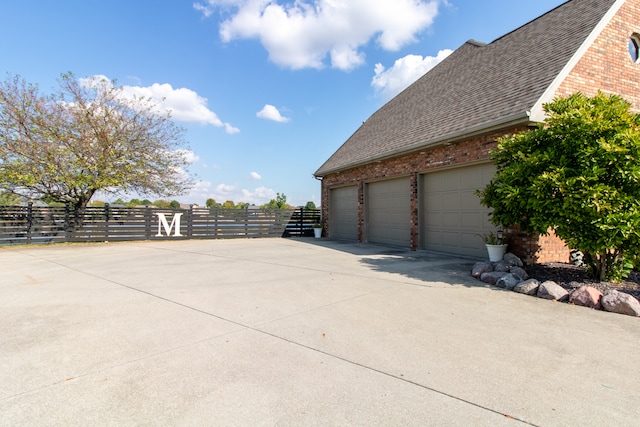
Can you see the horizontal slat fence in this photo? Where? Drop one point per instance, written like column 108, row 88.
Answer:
column 33, row 225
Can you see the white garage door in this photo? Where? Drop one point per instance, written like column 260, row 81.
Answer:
column 452, row 217
column 343, row 215
column 388, row 212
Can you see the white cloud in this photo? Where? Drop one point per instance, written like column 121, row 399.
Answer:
column 94, row 81
column 202, row 190
column 258, row 196
column 406, row 70
column 206, row 10
column 269, row 112
column 302, row 34
column 255, row 176
column 230, row 129
column 199, row 193
column 185, row 104
column 225, row 190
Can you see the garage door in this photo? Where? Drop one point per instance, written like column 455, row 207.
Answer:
column 343, row 213
column 388, row 212
column 452, row 216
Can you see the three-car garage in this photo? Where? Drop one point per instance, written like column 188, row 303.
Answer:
column 450, row 216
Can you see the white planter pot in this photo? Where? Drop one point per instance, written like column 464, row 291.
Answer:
column 317, row 232
column 496, row 252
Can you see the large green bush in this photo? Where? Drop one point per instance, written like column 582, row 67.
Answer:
column 579, row 174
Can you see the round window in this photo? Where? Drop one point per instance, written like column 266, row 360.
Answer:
column 634, row 47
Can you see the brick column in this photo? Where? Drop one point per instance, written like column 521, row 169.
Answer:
column 324, row 207
column 361, row 231
column 414, row 211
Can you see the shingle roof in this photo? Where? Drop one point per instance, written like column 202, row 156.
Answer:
column 476, row 86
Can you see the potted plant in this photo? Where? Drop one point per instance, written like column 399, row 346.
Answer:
column 496, row 246
column 317, row 230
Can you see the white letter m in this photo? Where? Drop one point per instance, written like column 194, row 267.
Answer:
column 162, row 222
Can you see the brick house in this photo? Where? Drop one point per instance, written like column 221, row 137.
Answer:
column 407, row 177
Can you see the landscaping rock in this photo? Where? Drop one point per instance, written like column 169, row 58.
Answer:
column 528, row 287
column 502, row 266
column 519, row 271
column 481, row 267
column 621, row 303
column 513, row 259
column 492, row 277
column 508, row 281
column 552, row 291
column 509, row 274
column 586, row 296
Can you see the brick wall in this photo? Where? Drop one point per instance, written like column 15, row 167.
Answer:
column 607, row 65
column 537, row 249
column 471, row 150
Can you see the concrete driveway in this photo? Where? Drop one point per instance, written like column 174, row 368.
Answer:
column 292, row 332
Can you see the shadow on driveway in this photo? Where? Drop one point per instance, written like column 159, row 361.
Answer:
column 419, row 265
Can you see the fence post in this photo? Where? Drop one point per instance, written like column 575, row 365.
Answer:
column 106, row 222
column 190, row 222
column 67, row 221
column 76, row 218
column 246, row 221
column 301, row 225
column 29, row 221
column 147, row 222
column 215, row 222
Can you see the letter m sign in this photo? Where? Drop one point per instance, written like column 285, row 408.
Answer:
column 163, row 223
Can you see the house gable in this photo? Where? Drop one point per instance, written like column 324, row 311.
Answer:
column 606, row 64
column 476, row 89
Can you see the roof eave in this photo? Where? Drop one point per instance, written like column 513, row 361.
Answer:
column 517, row 119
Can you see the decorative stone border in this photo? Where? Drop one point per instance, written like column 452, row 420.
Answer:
column 509, row 274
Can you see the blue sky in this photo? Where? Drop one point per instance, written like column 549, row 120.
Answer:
column 267, row 90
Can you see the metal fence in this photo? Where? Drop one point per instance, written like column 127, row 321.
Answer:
column 32, row 225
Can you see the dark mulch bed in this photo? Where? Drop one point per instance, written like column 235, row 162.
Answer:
column 571, row 277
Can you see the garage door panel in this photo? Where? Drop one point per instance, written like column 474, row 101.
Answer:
column 451, row 211
column 471, row 178
column 436, row 198
column 388, row 212
column 470, row 241
column 387, row 236
column 434, row 235
column 433, row 220
column 448, row 241
column 451, row 239
column 344, row 213
column 469, row 200
column 450, row 219
column 473, row 221
column 450, row 201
